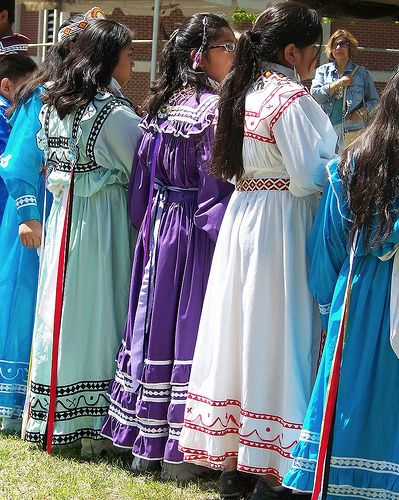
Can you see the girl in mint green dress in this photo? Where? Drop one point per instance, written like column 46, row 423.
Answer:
column 88, row 242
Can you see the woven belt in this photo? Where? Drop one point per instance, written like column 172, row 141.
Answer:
column 266, row 184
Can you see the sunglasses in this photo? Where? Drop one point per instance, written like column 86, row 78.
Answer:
column 228, row 46
column 340, row 43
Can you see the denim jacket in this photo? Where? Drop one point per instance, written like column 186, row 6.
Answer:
column 361, row 91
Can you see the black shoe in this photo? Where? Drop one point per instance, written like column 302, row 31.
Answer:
column 230, row 486
column 183, row 472
column 144, row 466
column 235, row 484
column 263, row 491
column 247, row 482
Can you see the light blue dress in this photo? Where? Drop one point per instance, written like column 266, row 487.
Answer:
column 365, row 447
column 21, row 166
column 100, row 250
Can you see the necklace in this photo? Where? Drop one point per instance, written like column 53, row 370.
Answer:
column 340, row 92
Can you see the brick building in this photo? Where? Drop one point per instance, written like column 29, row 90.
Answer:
column 375, row 35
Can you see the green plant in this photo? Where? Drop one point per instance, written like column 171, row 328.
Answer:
column 240, row 16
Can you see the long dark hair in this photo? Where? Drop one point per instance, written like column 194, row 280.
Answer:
column 369, row 170
column 275, row 28
column 47, row 71
column 89, row 66
column 176, row 65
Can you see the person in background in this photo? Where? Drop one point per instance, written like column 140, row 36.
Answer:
column 14, row 70
column 10, row 42
column 22, row 170
column 345, row 91
column 7, row 17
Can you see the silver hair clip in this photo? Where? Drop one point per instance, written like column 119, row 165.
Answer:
column 200, row 51
column 174, row 34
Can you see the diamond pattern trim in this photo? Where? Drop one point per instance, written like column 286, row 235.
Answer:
column 265, row 184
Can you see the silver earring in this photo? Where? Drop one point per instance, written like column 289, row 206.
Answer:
column 297, row 78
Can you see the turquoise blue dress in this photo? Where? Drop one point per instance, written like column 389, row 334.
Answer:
column 21, row 171
column 365, row 446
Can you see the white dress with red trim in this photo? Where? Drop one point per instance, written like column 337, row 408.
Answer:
column 259, row 337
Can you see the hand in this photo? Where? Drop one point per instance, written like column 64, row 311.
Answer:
column 345, row 81
column 30, row 233
column 138, row 110
column 336, row 86
column 360, row 114
column 354, row 117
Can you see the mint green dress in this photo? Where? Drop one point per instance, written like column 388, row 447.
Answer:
column 99, row 266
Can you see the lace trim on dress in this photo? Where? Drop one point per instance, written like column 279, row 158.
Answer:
column 183, row 116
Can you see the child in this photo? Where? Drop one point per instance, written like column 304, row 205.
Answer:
column 14, row 70
column 259, row 334
column 173, row 257
column 89, row 138
column 24, row 178
column 349, row 445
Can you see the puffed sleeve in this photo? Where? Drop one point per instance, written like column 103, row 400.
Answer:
column 21, row 161
column 319, row 89
column 327, row 246
column 117, row 141
column 306, row 140
column 213, row 193
column 139, row 185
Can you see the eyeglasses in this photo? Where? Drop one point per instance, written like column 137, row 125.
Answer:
column 340, row 43
column 228, row 46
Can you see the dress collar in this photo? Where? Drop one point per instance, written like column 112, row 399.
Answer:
column 115, row 88
column 278, row 68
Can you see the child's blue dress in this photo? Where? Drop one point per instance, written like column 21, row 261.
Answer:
column 365, row 445
column 21, row 171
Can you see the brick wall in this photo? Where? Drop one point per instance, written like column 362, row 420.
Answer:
column 138, row 86
column 373, row 33
column 29, row 26
column 370, row 33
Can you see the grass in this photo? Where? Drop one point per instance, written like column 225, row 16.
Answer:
column 27, row 473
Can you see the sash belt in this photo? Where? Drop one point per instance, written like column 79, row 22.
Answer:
column 263, row 184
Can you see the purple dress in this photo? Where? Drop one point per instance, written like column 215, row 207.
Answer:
column 148, row 394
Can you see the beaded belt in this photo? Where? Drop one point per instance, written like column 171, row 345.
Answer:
column 265, row 184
